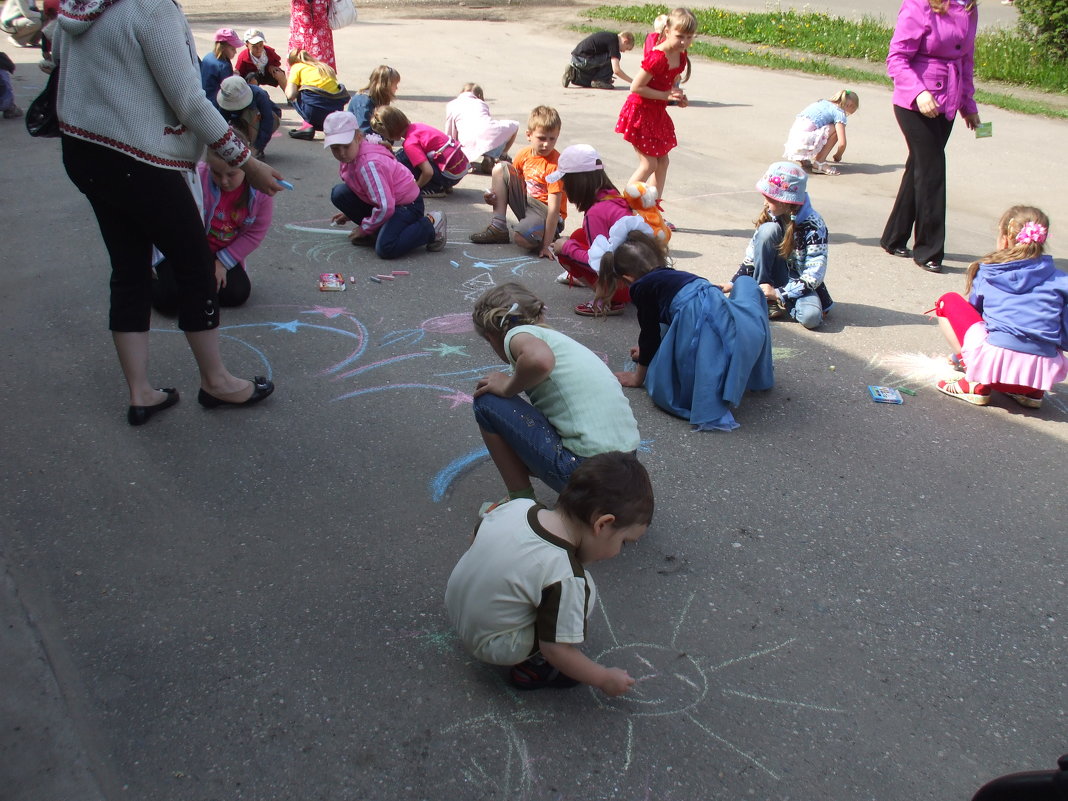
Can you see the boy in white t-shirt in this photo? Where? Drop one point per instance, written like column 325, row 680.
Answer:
column 521, row 596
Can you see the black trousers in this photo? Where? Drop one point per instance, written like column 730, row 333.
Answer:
column 920, row 207
column 165, row 288
column 138, row 206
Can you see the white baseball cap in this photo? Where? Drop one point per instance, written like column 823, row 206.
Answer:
column 234, row 94
column 576, row 158
column 253, row 36
column 340, row 128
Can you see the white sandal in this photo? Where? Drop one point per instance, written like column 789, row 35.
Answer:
column 823, row 168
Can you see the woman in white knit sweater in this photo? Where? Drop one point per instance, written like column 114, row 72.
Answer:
column 134, row 122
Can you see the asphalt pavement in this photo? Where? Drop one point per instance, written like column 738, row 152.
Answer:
column 839, row 600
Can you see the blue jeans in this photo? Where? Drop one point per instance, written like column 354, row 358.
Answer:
column 313, row 107
column 402, row 233
column 531, row 436
column 438, row 183
column 771, row 268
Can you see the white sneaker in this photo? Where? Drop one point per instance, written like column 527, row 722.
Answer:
column 441, row 231
column 564, row 278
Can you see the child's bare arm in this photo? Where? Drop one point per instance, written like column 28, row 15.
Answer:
column 640, row 86
column 552, row 217
column 534, row 361
column 840, row 129
column 426, row 172
column 570, row 661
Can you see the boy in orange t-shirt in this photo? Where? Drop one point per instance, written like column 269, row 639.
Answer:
column 540, row 207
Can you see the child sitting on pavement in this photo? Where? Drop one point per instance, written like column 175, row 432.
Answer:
column 259, row 64
column 595, row 60
column 576, row 408
column 787, row 255
column 521, row 596
column 484, row 140
column 539, row 206
column 378, row 193
column 435, row 158
column 250, row 110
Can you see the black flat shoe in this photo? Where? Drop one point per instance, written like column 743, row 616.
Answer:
column 931, row 266
column 303, row 133
column 139, row 415
column 902, row 252
column 261, row 388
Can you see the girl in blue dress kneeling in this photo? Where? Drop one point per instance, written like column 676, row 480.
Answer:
column 698, row 350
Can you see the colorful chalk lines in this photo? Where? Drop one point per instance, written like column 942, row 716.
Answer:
column 686, row 704
column 361, row 359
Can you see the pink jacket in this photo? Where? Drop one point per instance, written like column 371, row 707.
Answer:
column 254, row 227
column 936, row 53
column 597, row 222
column 377, row 178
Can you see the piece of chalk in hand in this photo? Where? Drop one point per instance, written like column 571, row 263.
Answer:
column 286, row 184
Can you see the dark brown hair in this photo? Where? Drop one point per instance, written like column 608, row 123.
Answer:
column 582, row 187
column 613, row 483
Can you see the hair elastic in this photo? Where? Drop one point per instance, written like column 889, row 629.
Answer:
column 1031, row 232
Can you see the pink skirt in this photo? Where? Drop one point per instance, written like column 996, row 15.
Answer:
column 989, row 364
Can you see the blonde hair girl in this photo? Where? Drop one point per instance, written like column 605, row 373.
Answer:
column 576, row 407
column 381, row 90
column 314, row 92
column 1010, row 334
column 819, row 129
column 644, row 120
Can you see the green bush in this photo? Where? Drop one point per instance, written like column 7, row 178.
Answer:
column 1047, row 21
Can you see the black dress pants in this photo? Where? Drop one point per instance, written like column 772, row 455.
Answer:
column 920, row 208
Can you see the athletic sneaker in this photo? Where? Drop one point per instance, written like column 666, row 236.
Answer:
column 971, row 392
column 565, row 279
column 441, row 231
column 568, row 77
column 775, row 310
column 427, row 192
column 1030, row 400
column 492, row 236
column 536, row 674
column 595, row 309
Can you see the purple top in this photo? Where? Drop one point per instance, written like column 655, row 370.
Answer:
column 936, row 53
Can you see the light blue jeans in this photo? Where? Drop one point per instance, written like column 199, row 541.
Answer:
column 771, row 268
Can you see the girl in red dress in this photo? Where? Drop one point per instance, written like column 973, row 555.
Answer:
column 644, row 120
column 309, row 29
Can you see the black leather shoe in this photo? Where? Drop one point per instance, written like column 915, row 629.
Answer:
column 931, row 266
column 139, row 415
column 902, row 252
column 261, row 388
column 303, row 133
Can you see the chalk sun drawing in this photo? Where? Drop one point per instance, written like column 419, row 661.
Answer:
column 672, row 682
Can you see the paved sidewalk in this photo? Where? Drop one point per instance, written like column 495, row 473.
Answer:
column 838, row 600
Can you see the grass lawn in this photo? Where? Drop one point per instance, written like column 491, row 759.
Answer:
column 821, row 43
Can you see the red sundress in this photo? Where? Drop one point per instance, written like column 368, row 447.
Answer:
column 309, row 29
column 645, row 123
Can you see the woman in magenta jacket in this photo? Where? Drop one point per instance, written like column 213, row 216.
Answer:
column 930, row 61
